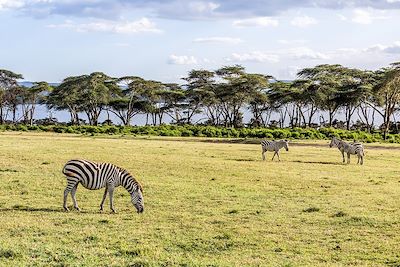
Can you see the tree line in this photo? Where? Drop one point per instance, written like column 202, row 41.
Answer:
column 220, row 95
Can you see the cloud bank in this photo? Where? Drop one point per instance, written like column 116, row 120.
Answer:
column 183, row 9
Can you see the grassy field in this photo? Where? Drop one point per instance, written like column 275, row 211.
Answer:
column 206, row 204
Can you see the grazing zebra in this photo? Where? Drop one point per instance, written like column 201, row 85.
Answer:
column 274, row 146
column 94, row 176
column 349, row 148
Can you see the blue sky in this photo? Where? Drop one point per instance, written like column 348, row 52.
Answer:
column 164, row 39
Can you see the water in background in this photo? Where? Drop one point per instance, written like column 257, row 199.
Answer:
column 42, row 112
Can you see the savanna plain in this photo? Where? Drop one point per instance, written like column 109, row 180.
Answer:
column 206, row 204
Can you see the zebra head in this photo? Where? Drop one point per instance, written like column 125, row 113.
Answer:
column 286, row 144
column 137, row 199
column 334, row 142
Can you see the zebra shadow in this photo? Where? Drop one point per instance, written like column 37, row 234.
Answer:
column 30, row 209
column 50, row 210
column 319, row 162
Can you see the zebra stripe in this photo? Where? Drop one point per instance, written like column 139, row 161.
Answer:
column 274, row 146
column 94, row 176
column 354, row 148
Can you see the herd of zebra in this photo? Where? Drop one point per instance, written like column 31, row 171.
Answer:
column 354, row 148
column 95, row 176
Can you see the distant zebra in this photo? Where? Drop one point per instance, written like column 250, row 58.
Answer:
column 94, row 176
column 274, row 146
column 354, row 148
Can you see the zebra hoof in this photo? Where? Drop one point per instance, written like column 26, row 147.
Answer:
column 78, row 209
column 66, row 209
column 113, row 211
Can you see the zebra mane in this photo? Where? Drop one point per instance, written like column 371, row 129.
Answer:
column 123, row 171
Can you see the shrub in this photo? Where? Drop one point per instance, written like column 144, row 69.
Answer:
column 209, row 131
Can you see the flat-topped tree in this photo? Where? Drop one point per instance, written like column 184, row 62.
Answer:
column 8, row 81
column 86, row 93
column 386, row 93
column 237, row 89
column 325, row 80
column 200, row 93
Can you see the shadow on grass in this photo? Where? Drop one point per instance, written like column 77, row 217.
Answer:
column 319, row 162
column 31, row 209
column 243, row 160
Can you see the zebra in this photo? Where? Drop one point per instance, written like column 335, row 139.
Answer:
column 354, row 148
column 94, row 176
column 274, row 146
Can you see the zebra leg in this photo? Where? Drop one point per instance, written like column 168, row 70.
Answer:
column 277, row 153
column 66, row 192
column 104, row 199
column 274, row 156
column 263, row 155
column 362, row 160
column 70, row 185
column 111, row 193
column 343, row 156
column 348, row 158
column 73, row 194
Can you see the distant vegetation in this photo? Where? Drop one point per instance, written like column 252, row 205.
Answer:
column 209, row 131
column 220, row 95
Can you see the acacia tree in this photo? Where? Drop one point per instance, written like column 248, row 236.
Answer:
column 325, row 81
column 200, row 93
column 86, row 93
column 354, row 89
column 236, row 90
column 126, row 103
column 32, row 96
column 8, row 81
column 387, row 93
column 281, row 98
column 173, row 97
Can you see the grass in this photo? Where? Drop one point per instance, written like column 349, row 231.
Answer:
column 206, row 204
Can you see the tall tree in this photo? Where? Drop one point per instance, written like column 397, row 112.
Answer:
column 8, row 81
column 387, row 93
column 33, row 96
column 127, row 103
column 325, row 81
column 237, row 90
column 200, row 93
column 86, row 93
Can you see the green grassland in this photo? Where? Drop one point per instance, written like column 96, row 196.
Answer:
column 206, row 204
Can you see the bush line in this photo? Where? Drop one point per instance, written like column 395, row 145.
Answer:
column 210, row 131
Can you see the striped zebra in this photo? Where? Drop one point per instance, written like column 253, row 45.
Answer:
column 274, row 146
column 94, row 176
column 354, row 148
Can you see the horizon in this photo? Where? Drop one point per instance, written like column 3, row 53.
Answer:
column 164, row 40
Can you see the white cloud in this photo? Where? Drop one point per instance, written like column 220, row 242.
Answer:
column 10, row 4
column 389, row 49
column 182, row 60
column 303, row 21
column 292, row 42
column 307, row 53
column 361, row 16
column 342, row 17
column 142, row 25
column 255, row 56
column 256, row 22
column 217, row 39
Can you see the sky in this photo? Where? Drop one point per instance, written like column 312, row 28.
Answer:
column 49, row 40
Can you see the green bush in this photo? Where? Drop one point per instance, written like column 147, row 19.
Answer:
column 210, row 131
